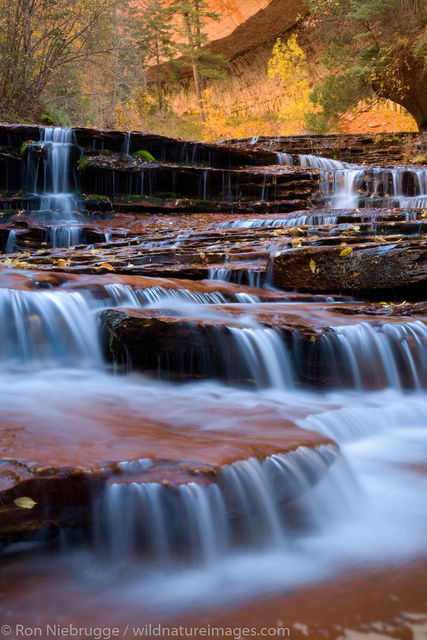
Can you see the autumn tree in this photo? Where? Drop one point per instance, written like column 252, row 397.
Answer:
column 42, row 45
column 192, row 44
column 373, row 49
column 289, row 64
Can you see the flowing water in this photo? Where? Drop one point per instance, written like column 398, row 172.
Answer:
column 263, row 523
column 49, row 179
column 349, row 186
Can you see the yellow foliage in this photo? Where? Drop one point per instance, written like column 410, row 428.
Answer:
column 219, row 126
column 132, row 115
column 288, row 64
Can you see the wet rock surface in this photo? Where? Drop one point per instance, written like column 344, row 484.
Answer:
column 185, row 343
column 61, row 468
column 359, row 148
column 290, row 324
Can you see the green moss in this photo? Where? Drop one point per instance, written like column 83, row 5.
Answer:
column 23, row 147
column 144, row 155
column 46, row 118
column 83, row 164
column 98, row 197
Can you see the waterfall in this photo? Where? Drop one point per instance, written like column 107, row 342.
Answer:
column 11, row 242
column 126, row 143
column 122, row 295
column 250, row 277
column 348, row 186
column 64, row 236
column 265, row 356
column 391, row 355
column 246, row 507
column 56, row 195
column 220, row 274
column 293, row 220
column 46, row 329
column 284, row 158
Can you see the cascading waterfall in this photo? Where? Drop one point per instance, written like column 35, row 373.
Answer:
column 64, row 236
column 349, row 186
column 284, row 158
column 46, row 329
column 293, row 220
column 11, row 242
column 392, row 355
column 283, row 518
column 246, row 507
column 251, row 277
column 122, row 295
column 55, row 195
column 265, row 356
column 60, row 328
column 339, row 181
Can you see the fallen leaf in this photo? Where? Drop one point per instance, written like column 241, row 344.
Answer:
column 345, row 252
column 106, row 265
column 312, row 266
column 25, row 502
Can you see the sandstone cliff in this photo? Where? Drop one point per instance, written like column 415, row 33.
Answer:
column 245, row 35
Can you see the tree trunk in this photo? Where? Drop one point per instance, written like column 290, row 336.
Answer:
column 413, row 96
column 199, row 95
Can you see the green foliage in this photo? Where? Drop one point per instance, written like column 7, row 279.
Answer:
column 151, row 31
column 23, row 147
column 83, row 164
column 46, row 118
column 373, row 48
column 142, row 154
column 98, row 197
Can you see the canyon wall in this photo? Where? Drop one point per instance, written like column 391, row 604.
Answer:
column 245, row 34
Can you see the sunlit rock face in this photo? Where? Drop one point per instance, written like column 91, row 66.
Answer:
column 245, row 34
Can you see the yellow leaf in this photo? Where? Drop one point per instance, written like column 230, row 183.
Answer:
column 383, row 304
column 106, row 265
column 25, row 502
column 312, row 266
column 296, row 242
column 345, row 252
column 63, row 263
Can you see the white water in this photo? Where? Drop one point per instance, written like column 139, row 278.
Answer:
column 289, row 520
column 284, row 158
column 369, row 513
column 58, row 327
column 271, row 525
column 250, row 277
column 348, row 186
column 245, row 507
column 292, row 220
column 64, row 236
column 56, row 196
column 11, row 242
